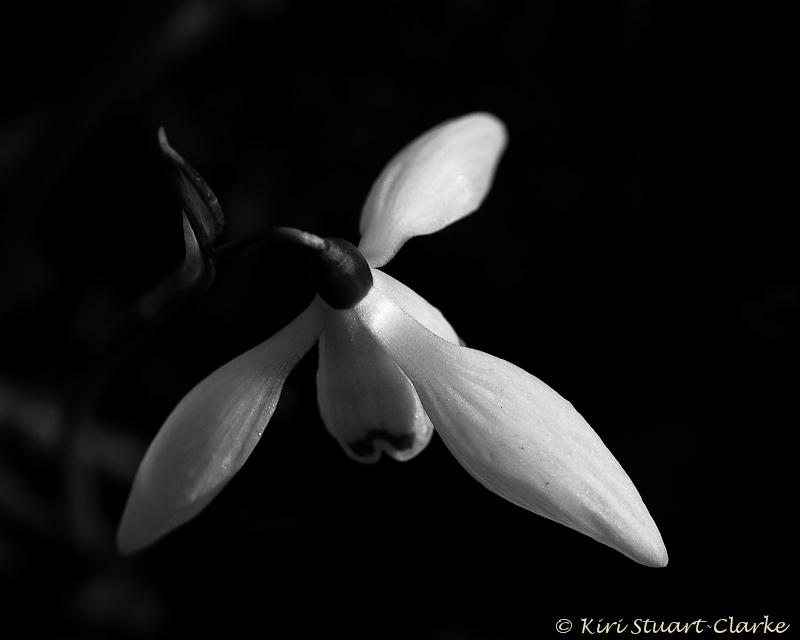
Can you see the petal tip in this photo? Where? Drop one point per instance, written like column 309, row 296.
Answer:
column 127, row 543
column 639, row 541
column 654, row 555
column 133, row 535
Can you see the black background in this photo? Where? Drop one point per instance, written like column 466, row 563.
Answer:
column 633, row 253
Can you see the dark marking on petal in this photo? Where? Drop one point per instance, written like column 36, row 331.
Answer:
column 366, row 446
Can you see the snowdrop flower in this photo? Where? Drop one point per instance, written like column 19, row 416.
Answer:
column 391, row 369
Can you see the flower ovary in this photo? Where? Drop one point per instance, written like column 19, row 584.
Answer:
column 340, row 274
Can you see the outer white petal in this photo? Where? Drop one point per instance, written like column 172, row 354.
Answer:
column 439, row 178
column 415, row 305
column 367, row 403
column 210, row 434
column 517, row 436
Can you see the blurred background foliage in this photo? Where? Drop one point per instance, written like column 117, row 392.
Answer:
column 632, row 253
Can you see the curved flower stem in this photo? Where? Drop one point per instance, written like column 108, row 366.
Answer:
column 279, row 234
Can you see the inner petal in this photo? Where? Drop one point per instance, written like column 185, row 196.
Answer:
column 416, row 306
column 367, row 403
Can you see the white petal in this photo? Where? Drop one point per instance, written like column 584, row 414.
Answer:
column 439, row 178
column 366, row 402
column 415, row 305
column 210, row 434
column 517, row 436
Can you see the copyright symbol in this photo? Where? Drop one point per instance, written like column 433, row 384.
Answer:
column 563, row 626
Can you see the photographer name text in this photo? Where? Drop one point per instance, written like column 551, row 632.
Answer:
column 591, row 626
